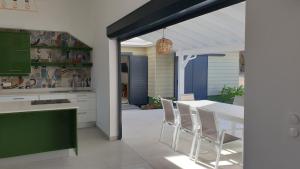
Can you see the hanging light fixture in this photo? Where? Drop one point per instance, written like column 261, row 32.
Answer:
column 164, row 45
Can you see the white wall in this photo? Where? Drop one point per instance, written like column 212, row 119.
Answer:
column 105, row 12
column 272, row 83
column 73, row 16
column 87, row 20
column 222, row 70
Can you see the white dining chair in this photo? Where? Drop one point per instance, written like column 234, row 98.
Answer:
column 187, row 123
column 238, row 100
column 187, row 97
column 169, row 119
column 209, row 131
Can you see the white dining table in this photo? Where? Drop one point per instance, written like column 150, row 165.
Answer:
column 224, row 112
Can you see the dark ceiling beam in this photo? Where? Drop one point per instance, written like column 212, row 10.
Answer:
column 158, row 14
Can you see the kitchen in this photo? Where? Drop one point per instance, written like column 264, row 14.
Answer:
column 45, row 92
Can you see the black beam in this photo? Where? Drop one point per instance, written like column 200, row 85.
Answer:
column 158, row 14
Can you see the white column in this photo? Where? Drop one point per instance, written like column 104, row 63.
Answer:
column 183, row 60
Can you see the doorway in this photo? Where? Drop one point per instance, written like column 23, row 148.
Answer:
column 189, row 40
column 134, row 80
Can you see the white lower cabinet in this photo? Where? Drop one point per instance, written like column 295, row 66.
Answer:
column 87, row 112
column 86, row 116
column 86, row 101
column 18, row 98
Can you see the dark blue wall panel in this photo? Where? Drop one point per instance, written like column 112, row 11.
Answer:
column 195, row 79
column 138, row 80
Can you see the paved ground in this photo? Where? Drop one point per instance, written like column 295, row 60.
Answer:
column 141, row 129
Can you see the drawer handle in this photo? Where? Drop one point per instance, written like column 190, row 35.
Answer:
column 83, row 100
column 80, row 113
column 19, row 98
column 83, row 95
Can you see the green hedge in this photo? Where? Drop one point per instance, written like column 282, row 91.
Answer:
column 219, row 98
column 227, row 94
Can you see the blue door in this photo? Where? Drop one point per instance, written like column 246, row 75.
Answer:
column 138, row 80
column 195, row 77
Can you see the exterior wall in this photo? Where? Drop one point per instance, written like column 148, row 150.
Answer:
column 135, row 51
column 164, row 84
column 160, row 71
column 160, row 74
column 151, row 53
column 222, row 70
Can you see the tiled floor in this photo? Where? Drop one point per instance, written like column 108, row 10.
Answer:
column 95, row 152
column 141, row 129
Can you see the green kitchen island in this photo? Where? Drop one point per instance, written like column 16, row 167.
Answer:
column 29, row 129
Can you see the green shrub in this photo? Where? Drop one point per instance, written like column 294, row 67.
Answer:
column 227, row 94
column 157, row 102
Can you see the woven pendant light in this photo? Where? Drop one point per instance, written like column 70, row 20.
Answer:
column 164, row 45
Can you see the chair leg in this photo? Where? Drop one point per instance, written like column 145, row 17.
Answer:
column 193, row 145
column 198, row 148
column 219, row 150
column 174, row 136
column 162, row 130
column 177, row 139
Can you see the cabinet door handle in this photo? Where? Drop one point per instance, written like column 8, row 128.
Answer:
column 83, row 100
column 19, row 98
column 82, row 95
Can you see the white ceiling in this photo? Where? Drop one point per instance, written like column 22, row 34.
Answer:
column 220, row 29
column 136, row 42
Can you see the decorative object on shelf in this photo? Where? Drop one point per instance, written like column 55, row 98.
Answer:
column 164, row 45
column 24, row 5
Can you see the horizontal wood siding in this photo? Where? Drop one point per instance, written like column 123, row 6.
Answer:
column 165, row 76
column 222, row 71
column 151, row 53
column 160, row 71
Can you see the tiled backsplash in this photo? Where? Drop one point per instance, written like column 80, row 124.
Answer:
column 51, row 76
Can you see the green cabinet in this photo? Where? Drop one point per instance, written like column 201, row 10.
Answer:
column 14, row 53
column 38, row 131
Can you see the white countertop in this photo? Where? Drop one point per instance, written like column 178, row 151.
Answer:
column 25, row 106
column 10, row 92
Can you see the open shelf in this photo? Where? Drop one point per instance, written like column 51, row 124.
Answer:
column 62, row 48
column 64, row 65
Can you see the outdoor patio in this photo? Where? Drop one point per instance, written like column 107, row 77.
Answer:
column 141, row 130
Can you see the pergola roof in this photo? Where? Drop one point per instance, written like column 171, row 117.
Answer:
column 223, row 30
